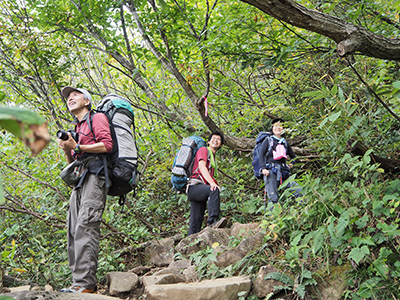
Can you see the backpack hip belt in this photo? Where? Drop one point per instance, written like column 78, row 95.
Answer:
column 277, row 168
column 276, row 165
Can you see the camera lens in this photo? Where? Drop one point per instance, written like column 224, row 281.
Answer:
column 62, row 135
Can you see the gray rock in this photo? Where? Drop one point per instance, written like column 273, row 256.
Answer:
column 29, row 295
column 332, row 290
column 167, row 242
column 180, row 264
column 121, row 282
column 229, row 257
column 232, row 256
column 47, row 288
column 203, row 239
column 140, row 270
column 262, row 287
column 332, row 286
column 218, row 289
column 191, row 275
column 251, row 243
column 159, row 255
column 166, row 276
column 245, row 230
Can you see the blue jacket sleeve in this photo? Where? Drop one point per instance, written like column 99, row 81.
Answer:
column 262, row 154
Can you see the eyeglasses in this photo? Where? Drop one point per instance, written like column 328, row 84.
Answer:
column 215, row 139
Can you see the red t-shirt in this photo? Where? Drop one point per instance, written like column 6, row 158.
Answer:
column 101, row 129
column 202, row 154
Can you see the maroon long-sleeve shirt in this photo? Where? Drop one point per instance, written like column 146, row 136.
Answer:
column 101, row 129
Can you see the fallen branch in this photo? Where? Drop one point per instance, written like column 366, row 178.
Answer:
column 389, row 165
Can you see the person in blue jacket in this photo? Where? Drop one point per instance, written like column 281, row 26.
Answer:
column 273, row 155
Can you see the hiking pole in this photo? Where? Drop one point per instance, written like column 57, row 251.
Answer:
column 265, row 201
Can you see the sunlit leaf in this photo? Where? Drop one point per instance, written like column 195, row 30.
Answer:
column 396, row 85
column 19, row 270
column 215, row 245
column 26, row 125
column 334, row 117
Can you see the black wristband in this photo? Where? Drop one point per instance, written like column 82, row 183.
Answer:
column 77, row 149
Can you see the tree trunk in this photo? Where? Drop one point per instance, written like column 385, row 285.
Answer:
column 389, row 165
column 350, row 38
column 1, row 279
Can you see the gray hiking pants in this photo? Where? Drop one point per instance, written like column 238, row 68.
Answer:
column 271, row 187
column 272, row 184
column 84, row 216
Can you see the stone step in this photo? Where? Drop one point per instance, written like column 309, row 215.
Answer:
column 217, row 289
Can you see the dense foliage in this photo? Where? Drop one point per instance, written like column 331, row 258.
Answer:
column 164, row 56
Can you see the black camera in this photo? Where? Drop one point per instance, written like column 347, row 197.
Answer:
column 63, row 135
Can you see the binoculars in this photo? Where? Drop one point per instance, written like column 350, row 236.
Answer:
column 63, row 135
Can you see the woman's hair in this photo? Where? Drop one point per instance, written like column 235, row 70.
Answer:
column 217, row 133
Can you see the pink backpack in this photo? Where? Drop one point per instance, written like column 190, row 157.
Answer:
column 280, row 151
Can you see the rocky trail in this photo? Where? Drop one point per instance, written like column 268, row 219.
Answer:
column 170, row 274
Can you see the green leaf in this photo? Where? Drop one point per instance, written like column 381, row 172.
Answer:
column 319, row 240
column 334, row 117
column 316, row 94
column 20, row 114
column 324, row 121
column 301, row 290
column 164, row 6
column 367, row 157
column 334, row 90
column 6, row 298
column 1, row 193
column 26, row 125
column 280, row 277
column 396, row 85
column 357, row 254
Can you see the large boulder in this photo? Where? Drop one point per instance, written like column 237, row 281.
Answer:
column 245, row 230
column 232, row 256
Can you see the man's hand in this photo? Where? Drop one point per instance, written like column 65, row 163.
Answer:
column 67, row 145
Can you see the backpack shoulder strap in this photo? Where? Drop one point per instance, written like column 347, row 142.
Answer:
column 271, row 144
column 89, row 121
